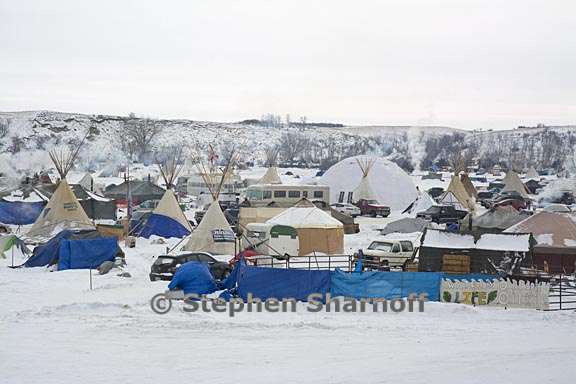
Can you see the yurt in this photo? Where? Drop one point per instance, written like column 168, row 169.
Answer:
column 383, row 179
column 318, row 231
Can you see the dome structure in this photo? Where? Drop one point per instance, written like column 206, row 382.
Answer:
column 390, row 185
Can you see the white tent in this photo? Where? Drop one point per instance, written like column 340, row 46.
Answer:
column 389, row 184
column 512, row 183
column 318, row 231
column 422, row 203
column 63, row 211
column 213, row 234
column 168, row 206
column 270, row 177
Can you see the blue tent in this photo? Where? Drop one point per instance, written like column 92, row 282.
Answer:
column 19, row 212
column 75, row 250
column 163, row 226
column 193, row 277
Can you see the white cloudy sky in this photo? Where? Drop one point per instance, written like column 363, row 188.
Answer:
column 463, row 63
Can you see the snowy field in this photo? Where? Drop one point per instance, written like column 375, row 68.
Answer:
column 54, row 329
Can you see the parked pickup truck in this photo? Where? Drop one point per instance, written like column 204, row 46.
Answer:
column 387, row 253
column 372, row 208
column 442, row 214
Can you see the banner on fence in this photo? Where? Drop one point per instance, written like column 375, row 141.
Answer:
column 507, row 293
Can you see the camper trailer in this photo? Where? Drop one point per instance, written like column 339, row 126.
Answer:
column 270, row 239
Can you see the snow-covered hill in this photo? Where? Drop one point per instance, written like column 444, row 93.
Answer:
column 26, row 136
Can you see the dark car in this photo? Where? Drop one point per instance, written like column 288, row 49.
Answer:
column 166, row 265
column 435, row 192
column 485, row 198
column 442, row 214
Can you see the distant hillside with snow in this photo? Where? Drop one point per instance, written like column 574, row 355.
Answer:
column 25, row 138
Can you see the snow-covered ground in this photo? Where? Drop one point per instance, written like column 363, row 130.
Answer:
column 54, row 329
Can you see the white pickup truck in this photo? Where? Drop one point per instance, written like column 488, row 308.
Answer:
column 390, row 252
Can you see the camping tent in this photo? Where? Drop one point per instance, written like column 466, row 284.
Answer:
column 317, row 230
column 63, row 211
column 422, row 203
column 388, row 182
column 75, row 250
column 512, row 183
column 457, row 196
column 555, row 235
column 167, row 219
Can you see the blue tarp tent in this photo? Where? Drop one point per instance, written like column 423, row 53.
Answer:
column 193, row 277
column 20, row 213
column 86, row 254
column 70, row 250
column 386, row 285
column 264, row 283
column 163, row 226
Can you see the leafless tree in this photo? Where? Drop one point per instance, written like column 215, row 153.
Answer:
column 292, row 145
column 138, row 135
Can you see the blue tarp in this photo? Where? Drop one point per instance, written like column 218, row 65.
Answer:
column 193, row 277
column 387, row 285
column 20, row 213
column 88, row 245
column 264, row 283
column 86, row 254
column 163, row 226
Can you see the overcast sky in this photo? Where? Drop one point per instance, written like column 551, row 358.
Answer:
column 464, row 63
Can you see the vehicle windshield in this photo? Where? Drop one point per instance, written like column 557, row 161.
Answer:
column 380, row 246
column 372, row 202
column 164, row 260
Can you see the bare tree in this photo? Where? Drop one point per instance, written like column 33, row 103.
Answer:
column 138, row 135
column 4, row 124
column 292, row 145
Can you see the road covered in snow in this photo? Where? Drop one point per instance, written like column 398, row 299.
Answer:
column 55, row 329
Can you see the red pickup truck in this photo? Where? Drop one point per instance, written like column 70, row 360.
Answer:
column 372, row 208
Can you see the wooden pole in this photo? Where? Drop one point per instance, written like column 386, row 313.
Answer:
column 90, row 278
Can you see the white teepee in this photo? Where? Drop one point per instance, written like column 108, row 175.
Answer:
column 63, row 211
column 271, row 176
column 364, row 189
column 512, row 183
column 214, row 233
column 457, row 196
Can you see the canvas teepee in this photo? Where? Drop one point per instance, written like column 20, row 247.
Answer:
column 213, row 234
column 512, row 183
column 167, row 220
column 63, row 211
column 468, row 186
column 271, row 176
column 457, row 196
column 532, row 174
column 364, row 189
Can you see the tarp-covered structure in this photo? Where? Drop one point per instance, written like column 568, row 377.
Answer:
column 75, row 250
column 555, row 235
column 141, row 190
column 318, row 231
column 20, row 212
column 63, row 211
column 193, row 277
column 489, row 253
column 495, row 220
column 406, row 225
column 167, row 219
column 213, row 234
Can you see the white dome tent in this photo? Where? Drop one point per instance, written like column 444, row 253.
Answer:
column 389, row 184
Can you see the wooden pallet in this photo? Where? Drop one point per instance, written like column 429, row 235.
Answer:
column 456, row 263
